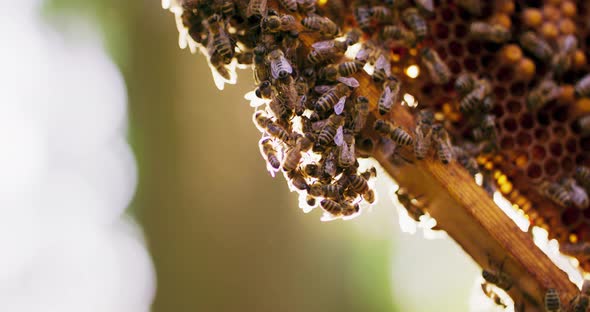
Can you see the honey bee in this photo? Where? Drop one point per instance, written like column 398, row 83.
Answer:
column 556, row 193
column 261, row 71
column 256, row 9
column 578, row 195
column 266, row 124
column 312, row 170
column 264, row 90
column 307, row 6
column 397, row 134
column 245, row 58
column 310, row 200
column 414, row 207
column 293, row 155
column 388, row 97
column 545, row 92
column 348, row 68
column 466, row 161
column 399, row 33
column 474, row 99
column 382, row 68
column 280, row 68
column 346, row 153
column 331, row 97
column 326, row 51
column 362, row 111
column 380, row 13
column 472, row 6
column 349, row 209
column 219, row 41
column 326, row 27
column 358, row 183
column 297, row 180
column 464, row 84
column 495, row 275
column 582, row 175
column 562, row 61
column 271, row 24
column 332, row 191
column 439, row 71
column 218, row 63
column 328, row 132
column 369, row 196
column 444, row 148
column 488, row 32
column 362, row 56
column 328, row 73
column 581, row 301
column 490, row 293
column 415, row 22
column 286, row 93
column 269, row 153
column 582, row 87
column 332, row 207
column 289, row 5
column 536, row 45
column 353, row 36
column 362, row 15
column 552, row 301
column 423, row 133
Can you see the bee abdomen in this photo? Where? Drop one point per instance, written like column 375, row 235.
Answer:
column 401, row 137
column 552, row 301
column 331, row 207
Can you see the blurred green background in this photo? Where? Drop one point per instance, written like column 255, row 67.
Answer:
column 223, row 234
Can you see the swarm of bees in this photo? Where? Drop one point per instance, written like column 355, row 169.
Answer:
column 489, row 88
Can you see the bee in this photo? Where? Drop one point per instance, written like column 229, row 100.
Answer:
column 426, row 6
column 582, row 87
column 362, row 15
column 472, row 6
column 269, row 153
column 245, row 58
column 380, row 13
column 577, row 193
column 331, row 207
column 348, row 68
column 545, row 92
column 328, row 132
column 256, row 9
column 346, row 153
column 218, row 63
column 331, row 97
column 226, row 7
column 414, row 207
column 349, row 209
column 307, row 6
column 271, row 24
column 310, row 200
column 362, row 56
column 358, row 183
column 332, row 191
column 562, row 61
column 293, row 155
column 312, row 170
column 264, row 90
column 474, row 99
column 495, row 275
column 552, row 301
column 415, row 22
column 362, row 111
column 397, row 134
column 439, row 71
column 581, row 301
column 536, row 45
column 582, row 175
column 489, row 32
column 326, row 51
column 289, row 5
column 444, row 148
column 464, row 84
column 556, row 193
column 423, row 133
column 382, row 68
column 219, row 41
column 266, row 124
column 261, row 71
column 466, row 161
column 286, row 92
column 315, row 189
column 328, row 73
column 297, row 180
column 399, row 33
column 388, row 97
column 353, row 36
column 325, row 26
column 280, row 68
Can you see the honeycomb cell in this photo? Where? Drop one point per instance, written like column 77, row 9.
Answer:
column 523, row 139
column 560, row 113
column 497, row 111
column 534, row 171
column 556, row 149
column 551, row 167
column 456, row 48
column 513, row 106
column 500, row 93
column 571, row 217
column 510, row 124
column 507, row 143
column 538, row 152
column 571, row 145
column 505, row 73
column 447, row 15
column 441, row 31
column 460, row 31
column 474, row 47
column 585, row 144
column 541, row 134
column 559, row 131
column 517, row 89
column 470, row 64
column 442, row 52
column 455, row 67
column 527, row 121
column 543, row 118
column 568, row 164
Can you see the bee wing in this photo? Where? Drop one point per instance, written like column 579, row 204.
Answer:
column 275, row 69
column 362, row 55
column 339, row 107
column 321, row 45
column 349, row 81
column 387, row 95
column 286, row 65
column 426, row 5
column 339, row 137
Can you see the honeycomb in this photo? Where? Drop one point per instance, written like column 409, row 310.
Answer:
column 533, row 146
